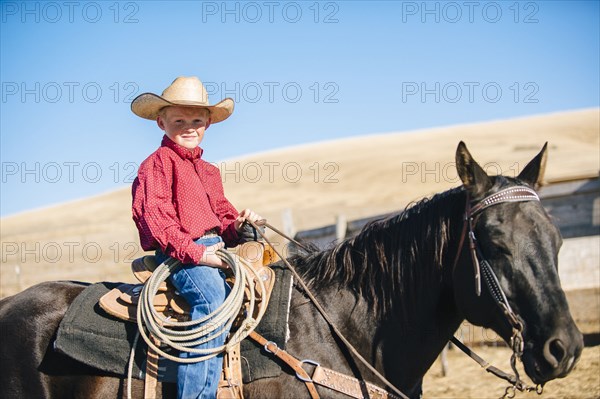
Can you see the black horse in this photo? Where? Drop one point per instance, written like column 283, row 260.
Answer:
column 398, row 291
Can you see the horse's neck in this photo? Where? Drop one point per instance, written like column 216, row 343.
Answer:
column 404, row 351
column 413, row 344
column 414, row 339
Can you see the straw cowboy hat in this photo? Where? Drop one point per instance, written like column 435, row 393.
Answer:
column 184, row 91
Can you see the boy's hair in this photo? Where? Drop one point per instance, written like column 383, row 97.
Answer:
column 162, row 112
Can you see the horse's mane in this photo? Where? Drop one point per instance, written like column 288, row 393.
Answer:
column 394, row 257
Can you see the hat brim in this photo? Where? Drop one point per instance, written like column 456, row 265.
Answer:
column 148, row 105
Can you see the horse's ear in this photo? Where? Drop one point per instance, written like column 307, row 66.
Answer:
column 533, row 173
column 476, row 181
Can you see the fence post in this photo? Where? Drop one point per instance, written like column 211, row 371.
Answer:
column 444, row 360
column 18, row 275
column 288, row 222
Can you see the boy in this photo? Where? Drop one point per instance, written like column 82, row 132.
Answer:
column 181, row 211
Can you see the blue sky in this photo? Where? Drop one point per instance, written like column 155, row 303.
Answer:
column 299, row 72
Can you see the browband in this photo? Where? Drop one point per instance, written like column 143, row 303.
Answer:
column 511, row 194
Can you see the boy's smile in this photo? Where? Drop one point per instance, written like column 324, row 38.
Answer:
column 184, row 125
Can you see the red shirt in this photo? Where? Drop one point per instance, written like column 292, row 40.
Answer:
column 177, row 197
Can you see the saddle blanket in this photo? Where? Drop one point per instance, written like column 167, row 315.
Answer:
column 91, row 336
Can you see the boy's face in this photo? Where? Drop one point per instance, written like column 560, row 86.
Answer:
column 184, row 125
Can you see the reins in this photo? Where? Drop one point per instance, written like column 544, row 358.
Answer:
column 481, row 267
column 158, row 326
column 321, row 310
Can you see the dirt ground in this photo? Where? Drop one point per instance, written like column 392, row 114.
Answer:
column 466, row 379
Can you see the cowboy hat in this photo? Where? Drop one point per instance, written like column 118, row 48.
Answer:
column 184, row 91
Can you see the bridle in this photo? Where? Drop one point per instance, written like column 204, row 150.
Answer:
column 482, row 268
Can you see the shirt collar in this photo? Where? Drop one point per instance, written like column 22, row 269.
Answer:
column 183, row 152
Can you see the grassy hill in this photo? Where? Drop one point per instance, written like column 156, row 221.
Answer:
column 95, row 239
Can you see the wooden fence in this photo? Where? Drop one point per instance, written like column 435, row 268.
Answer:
column 573, row 203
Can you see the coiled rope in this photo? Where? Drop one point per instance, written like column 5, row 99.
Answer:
column 185, row 336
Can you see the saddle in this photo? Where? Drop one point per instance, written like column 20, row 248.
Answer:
column 121, row 302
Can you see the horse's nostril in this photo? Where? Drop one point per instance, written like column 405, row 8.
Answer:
column 554, row 352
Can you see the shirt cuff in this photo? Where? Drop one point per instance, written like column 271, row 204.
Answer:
column 192, row 255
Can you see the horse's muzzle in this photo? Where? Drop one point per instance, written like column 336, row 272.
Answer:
column 555, row 358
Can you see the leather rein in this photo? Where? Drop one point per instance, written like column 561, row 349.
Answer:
column 481, row 267
column 345, row 384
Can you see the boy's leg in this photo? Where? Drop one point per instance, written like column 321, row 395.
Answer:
column 205, row 289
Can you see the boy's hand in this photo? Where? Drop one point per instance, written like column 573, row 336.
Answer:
column 246, row 215
column 210, row 257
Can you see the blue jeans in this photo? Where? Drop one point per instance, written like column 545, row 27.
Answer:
column 205, row 289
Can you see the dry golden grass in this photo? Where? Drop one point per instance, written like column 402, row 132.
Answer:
column 466, row 379
column 95, row 239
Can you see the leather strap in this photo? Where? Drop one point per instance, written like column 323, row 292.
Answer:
column 510, row 194
column 484, row 365
column 230, row 385
column 325, row 377
column 349, row 385
column 235, row 365
column 290, row 360
column 151, row 379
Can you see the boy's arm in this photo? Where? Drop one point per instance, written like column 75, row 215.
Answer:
column 155, row 215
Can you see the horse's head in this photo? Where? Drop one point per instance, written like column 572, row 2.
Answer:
column 518, row 242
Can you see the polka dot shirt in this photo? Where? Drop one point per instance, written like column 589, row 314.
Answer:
column 177, row 198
